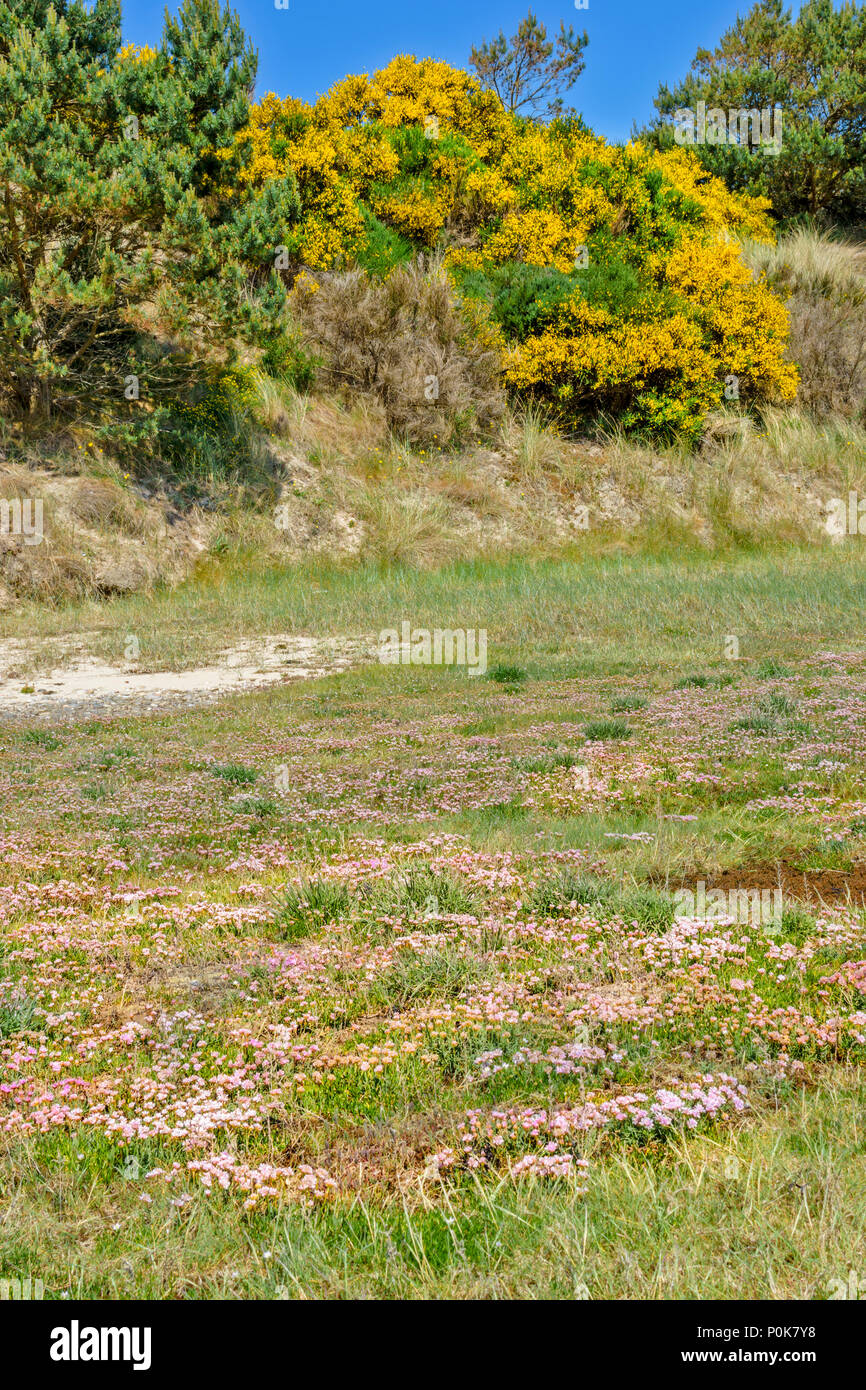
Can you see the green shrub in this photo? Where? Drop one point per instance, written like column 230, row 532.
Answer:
column 771, row 714
column 288, row 361
column 383, row 249
column 610, row 284
column 770, row 669
column 257, row 806
column 213, row 434
column 41, row 738
column 521, row 297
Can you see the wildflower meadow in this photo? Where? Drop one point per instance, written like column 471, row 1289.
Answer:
column 432, row 661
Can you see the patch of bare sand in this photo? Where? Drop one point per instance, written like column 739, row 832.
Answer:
column 81, row 685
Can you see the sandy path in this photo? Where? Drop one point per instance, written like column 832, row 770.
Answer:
column 83, row 686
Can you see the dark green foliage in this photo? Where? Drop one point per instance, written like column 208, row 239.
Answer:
column 648, row 907
column 814, row 68
column 417, row 152
column 610, row 284
column 771, row 669
column 41, row 738
column 700, row 681
column 771, row 715
column 122, row 254
column 286, row 360
column 505, row 674
column 384, row 248
column 546, row 762
column 522, row 297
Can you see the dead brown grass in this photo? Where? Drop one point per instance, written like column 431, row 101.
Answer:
column 97, row 538
column 404, row 342
column 824, row 280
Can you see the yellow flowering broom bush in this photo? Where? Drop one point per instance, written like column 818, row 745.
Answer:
column 611, row 272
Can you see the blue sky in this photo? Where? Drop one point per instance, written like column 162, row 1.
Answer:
column 633, row 45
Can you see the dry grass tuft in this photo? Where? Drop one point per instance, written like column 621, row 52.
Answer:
column 825, row 279
column 532, row 444
column 409, row 528
column 96, row 538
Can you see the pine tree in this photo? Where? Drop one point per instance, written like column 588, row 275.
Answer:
column 126, row 257
column 814, row 69
column 529, row 72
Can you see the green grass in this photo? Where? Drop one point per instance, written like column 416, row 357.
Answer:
column 627, row 704
column 41, row 738
column 302, row 910
column 443, row 880
column 788, row 1192
column 422, row 889
column 647, row 906
column 236, row 774
column 654, row 611
column 701, row 681
column 437, row 973
column 771, row 713
column 507, row 675
column 601, row 729
column 16, row 1016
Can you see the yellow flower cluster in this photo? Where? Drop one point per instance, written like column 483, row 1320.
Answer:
column 724, row 211
column 592, row 357
column 416, row 213
column 281, row 137
column 653, row 307
column 536, row 238
column 748, row 324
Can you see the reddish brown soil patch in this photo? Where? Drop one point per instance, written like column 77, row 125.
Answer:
column 814, row 886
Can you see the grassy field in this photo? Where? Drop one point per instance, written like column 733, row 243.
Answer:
column 581, row 613
column 378, row 985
